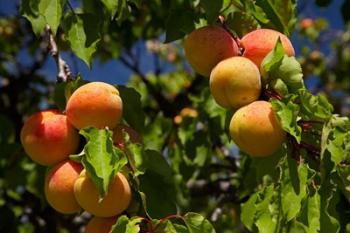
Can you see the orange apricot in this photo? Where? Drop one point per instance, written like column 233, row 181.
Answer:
column 95, row 104
column 59, row 186
column 48, row 138
column 100, row 225
column 207, row 46
column 235, row 82
column 257, row 44
column 256, row 130
column 116, row 200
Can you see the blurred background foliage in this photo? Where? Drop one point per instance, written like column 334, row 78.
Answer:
column 181, row 119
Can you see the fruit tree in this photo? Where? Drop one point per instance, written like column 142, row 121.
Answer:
column 233, row 117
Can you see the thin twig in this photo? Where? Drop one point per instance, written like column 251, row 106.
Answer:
column 64, row 74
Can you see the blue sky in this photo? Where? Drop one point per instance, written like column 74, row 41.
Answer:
column 115, row 72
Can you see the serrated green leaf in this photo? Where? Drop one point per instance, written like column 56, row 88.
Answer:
column 293, row 190
column 335, row 139
column 112, row 6
column 133, row 113
column 212, row 9
column 282, row 14
column 274, row 58
column 175, row 228
column 42, row 12
column 83, row 34
column 179, row 23
column 287, row 113
column 267, row 165
column 30, row 10
column 314, row 107
column 126, row 225
column 266, row 219
column 156, row 191
column 196, row 223
column 249, row 211
column 102, row 160
column 282, row 72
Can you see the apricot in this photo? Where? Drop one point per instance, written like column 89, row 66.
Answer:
column 256, row 130
column 207, row 46
column 48, row 138
column 59, row 186
column 100, row 225
column 118, row 137
column 115, row 201
column 235, row 82
column 257, row 44
column 95, row 104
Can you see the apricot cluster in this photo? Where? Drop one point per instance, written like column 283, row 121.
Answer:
column 50, row 137
column 235, row 82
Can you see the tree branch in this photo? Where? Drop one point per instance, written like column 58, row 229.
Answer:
column 64, row 74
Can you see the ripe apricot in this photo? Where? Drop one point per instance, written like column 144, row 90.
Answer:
column 100, row 225
column 235, row 82
column 118, row 137
column 48, row 138
column 207, row 46
column 256, row 130
column 115, row 201
column 59, row 186
column 257, row 44
column 95, row 104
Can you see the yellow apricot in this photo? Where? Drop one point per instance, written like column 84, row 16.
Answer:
column 59, row 186
column 95, row 104
column 48, row 138
column 207, row 46
column 100, row 225
column 115, row 201
column 258, row 43
column 235, row 82
column 256, row 130
column 118, row 137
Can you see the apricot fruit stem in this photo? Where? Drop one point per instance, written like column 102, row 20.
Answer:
column 221, row 20
column 272, row 94
column 64, row 74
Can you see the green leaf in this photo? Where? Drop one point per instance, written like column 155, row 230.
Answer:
column 175, row 228
column 287, row 113
column 282, row 72
column 266, row 219
column 119, row 7
column 274, row 58
column 196, row 223
column 126, row 225
column 282, row 14
column 249, row 211
column 267, row 165
column 112, row 6
column 212, row 9
column 133, row 113
column 82, row 32
column 30, row 10
column 310, row 214
column 157, row 191
column 42, row 12
column 64, row 90
column 102, row 160
column 294, row 188
column 314, row 107
column 179, row 23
